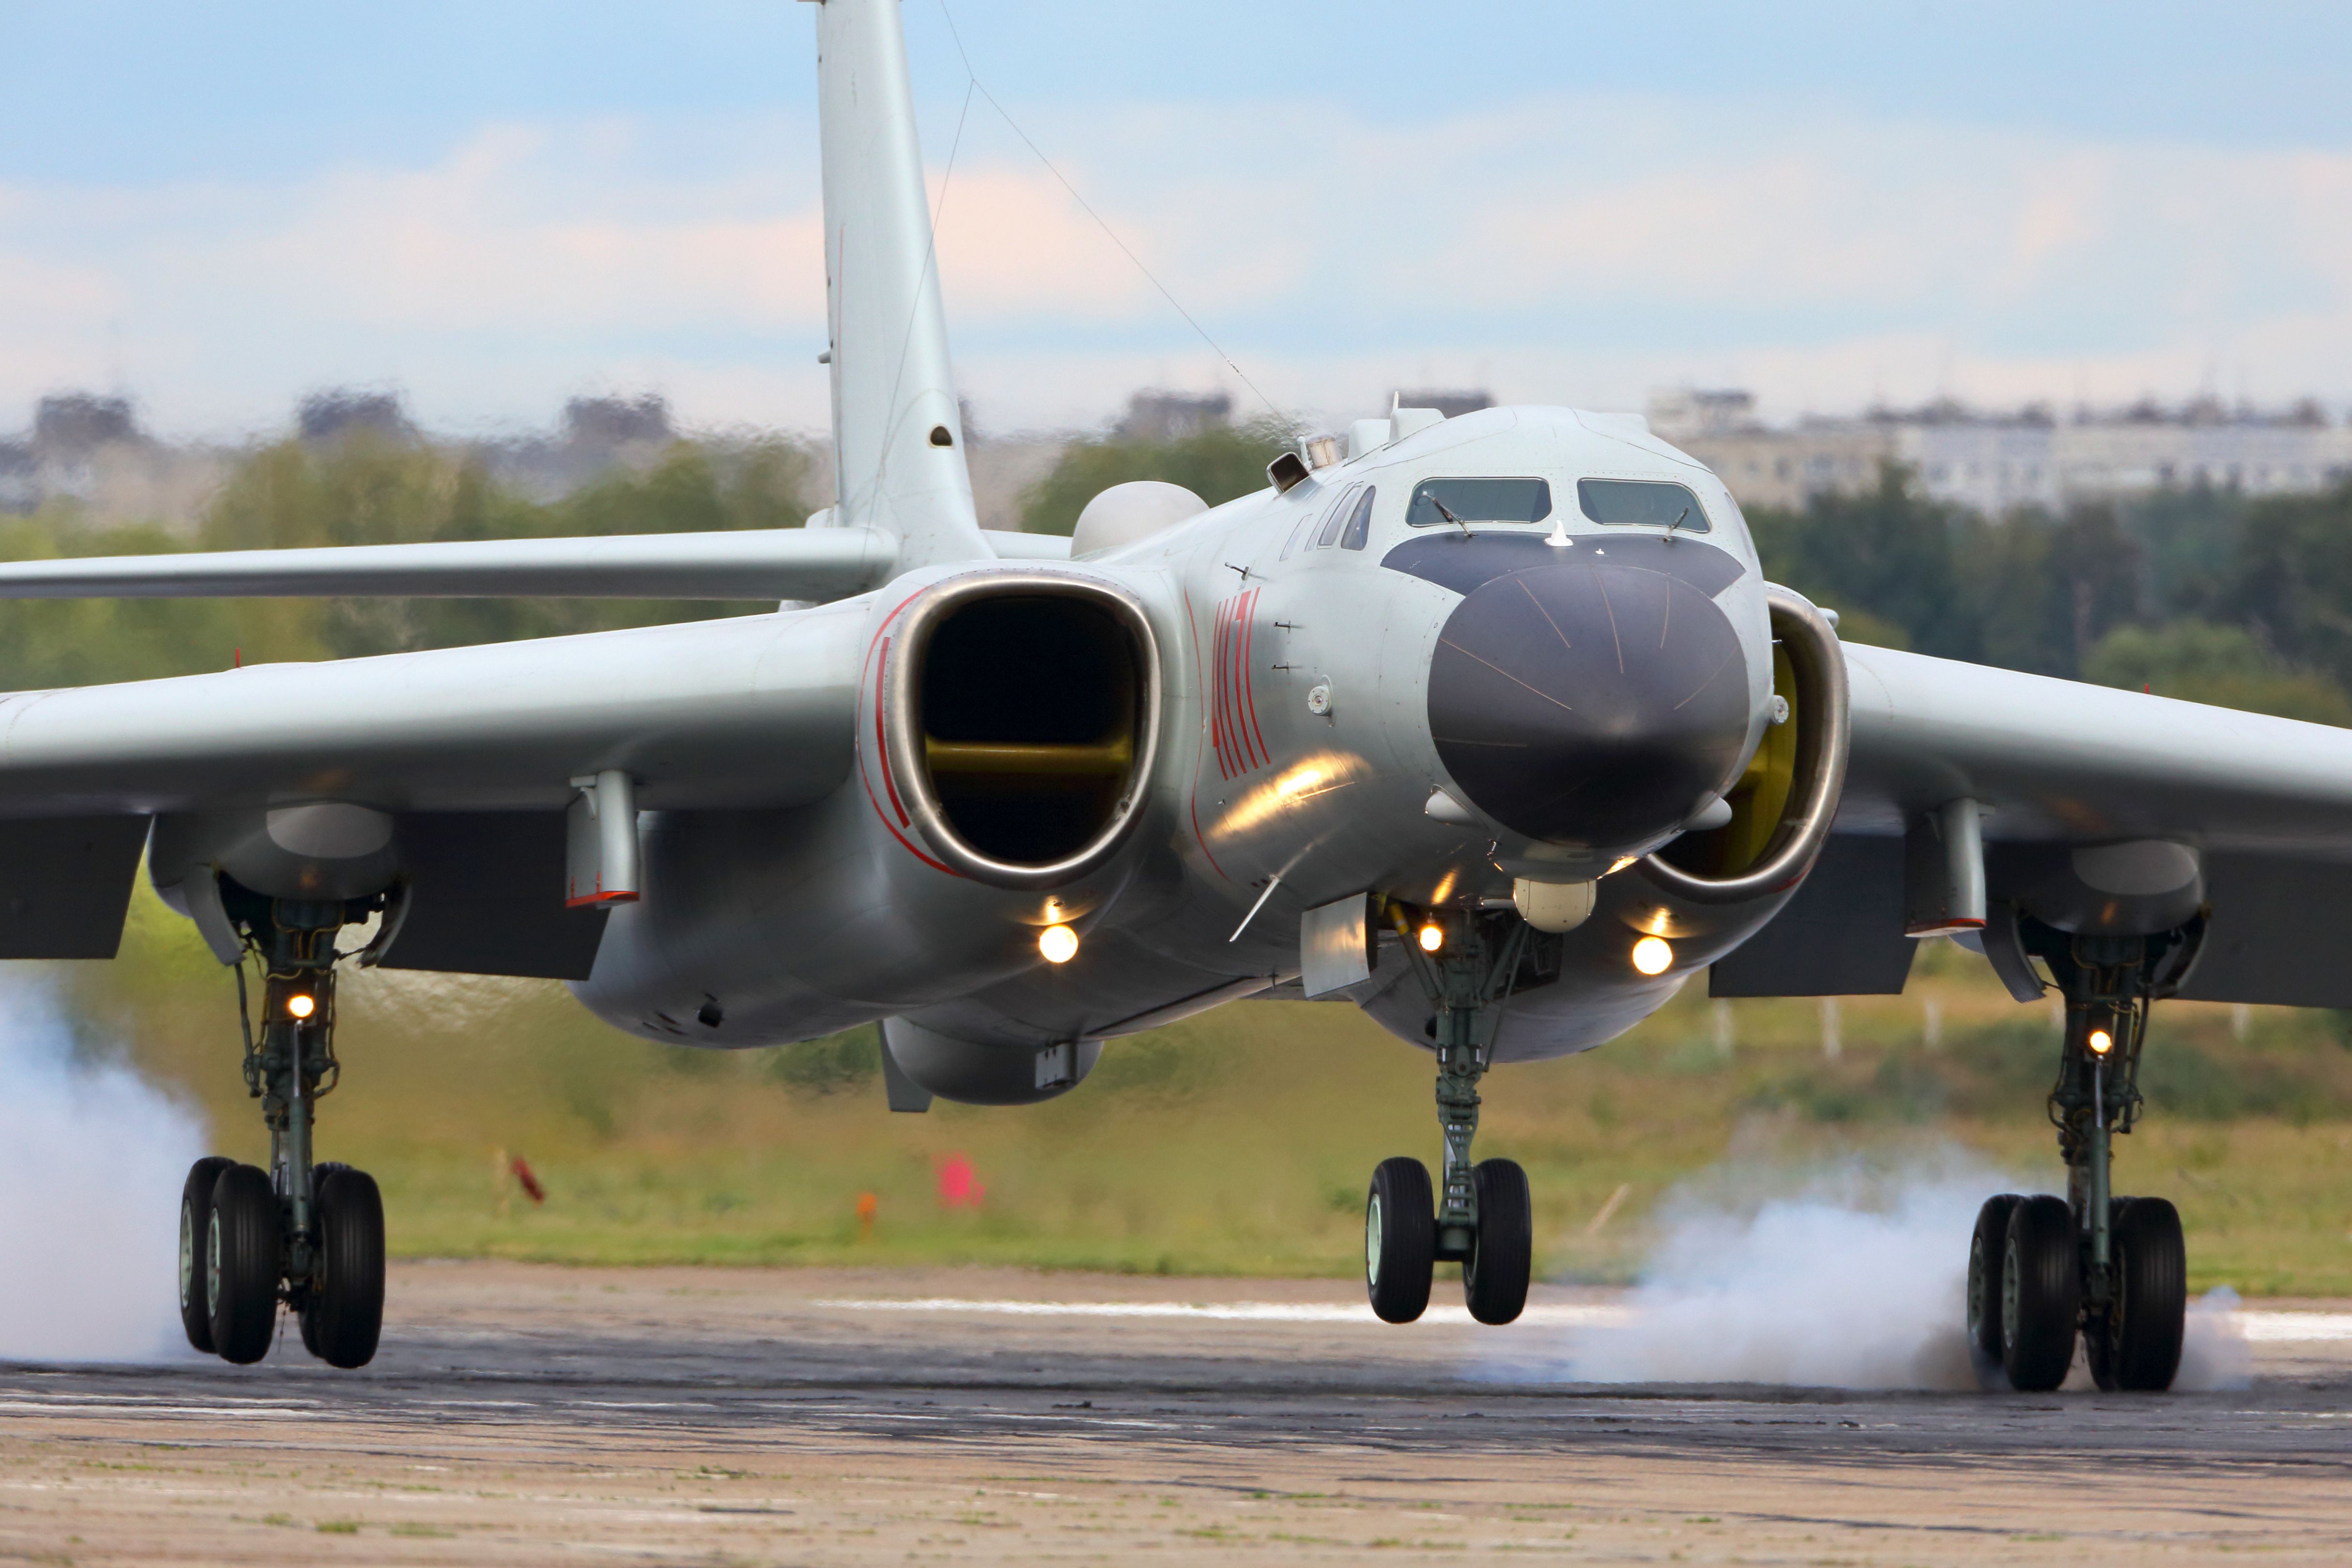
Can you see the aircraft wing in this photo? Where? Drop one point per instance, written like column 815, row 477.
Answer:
column 746, row 711
column 2056, row 764
column 2066, row 761
column 815, row 564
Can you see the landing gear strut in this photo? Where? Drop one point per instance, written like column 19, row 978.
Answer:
column 1482, row 1218
column 310, row 1234
column 2041, row 1269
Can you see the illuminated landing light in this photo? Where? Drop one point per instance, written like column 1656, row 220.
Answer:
column 1433, row 937
column 2101, row 1042
column 299, row 1006
column 1058, row 943
column 1652, row 955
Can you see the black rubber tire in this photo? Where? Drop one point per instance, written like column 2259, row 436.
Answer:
column 1987, row 1247
column 241, row 1256
column 196, row 1222
column 1400, row 1240
column 1495, row 1275
column 2136, row 1347
column 303, row 1316
column 2041, row 1293
column 342, row 1314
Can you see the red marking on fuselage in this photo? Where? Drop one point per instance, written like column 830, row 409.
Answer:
column 1249, row 696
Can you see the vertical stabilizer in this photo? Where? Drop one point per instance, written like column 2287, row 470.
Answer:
column 898, row 434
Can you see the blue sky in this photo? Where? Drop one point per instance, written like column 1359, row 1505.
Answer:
column 494, row 206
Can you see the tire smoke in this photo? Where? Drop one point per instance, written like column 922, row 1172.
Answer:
column 91, row 1160
column 1844, row 1278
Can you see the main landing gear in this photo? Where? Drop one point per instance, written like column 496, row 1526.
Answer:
column 2041, row 1269
column 310, row 1234
column 1480, row 1216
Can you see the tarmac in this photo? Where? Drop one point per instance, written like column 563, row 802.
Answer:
column 523, row 1414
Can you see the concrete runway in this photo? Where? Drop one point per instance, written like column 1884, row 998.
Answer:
column 522, row 1414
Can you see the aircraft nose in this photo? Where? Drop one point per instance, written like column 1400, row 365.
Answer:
column 1587, row 702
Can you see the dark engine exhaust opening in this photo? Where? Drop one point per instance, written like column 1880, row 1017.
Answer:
column 1031, row 709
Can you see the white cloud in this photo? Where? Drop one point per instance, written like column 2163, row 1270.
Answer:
column 1582, row 249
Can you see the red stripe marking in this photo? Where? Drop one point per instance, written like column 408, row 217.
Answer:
column 1220, row 726
column 1249, row 641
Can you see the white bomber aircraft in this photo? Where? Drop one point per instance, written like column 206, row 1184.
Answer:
column 1490, row 725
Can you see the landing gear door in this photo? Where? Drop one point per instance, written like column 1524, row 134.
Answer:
column 1335, row 945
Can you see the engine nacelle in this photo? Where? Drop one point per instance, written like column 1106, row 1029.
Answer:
column 1019, row 717
column 1784, row 803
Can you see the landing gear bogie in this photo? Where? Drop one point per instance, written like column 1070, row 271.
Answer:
column 2112, row 1271
column 308, row 1234
column 1478, row 1214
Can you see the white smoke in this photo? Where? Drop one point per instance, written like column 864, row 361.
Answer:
column 91, row 1160
column 1848, row 1277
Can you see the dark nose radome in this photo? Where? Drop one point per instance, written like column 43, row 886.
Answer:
column 1589, row 703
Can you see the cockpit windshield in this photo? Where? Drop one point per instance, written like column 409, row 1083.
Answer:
column 1479, row 500
column 1642, row 504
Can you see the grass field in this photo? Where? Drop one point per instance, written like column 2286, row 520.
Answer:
column 1236, row 1143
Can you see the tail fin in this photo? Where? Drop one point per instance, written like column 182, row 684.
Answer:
column 898, row 434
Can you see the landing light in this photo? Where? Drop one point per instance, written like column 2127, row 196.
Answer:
column 1433, row 937
column 1058, row 943
column 2101, row 1042
column 300, row 1005
column 1652, row 955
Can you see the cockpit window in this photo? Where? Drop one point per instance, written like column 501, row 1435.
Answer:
column 1479, row 500
column 1360, row 523
column 1642, row 504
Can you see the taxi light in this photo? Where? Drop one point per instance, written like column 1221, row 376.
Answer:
column 301, row 1004
column 1433, row 937
column 2101, row 1042
column 1059, row 943
column 1652, row 955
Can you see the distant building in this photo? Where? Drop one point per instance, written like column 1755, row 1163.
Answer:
column 1996, row 463
column 607, row 423
column 1173, row 416
column 76, row 424
column 1453, row 404
column 1678, row 414
column 342, row 412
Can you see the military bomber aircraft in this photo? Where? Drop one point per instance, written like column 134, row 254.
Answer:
column 1490, row 725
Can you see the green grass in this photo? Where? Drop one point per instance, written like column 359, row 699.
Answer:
column 1236, row 1143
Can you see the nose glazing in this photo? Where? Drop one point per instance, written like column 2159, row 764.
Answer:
column 1589, row 703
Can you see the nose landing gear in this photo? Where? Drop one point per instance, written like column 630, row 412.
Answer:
column 1482, row 1218
column 310, row 1234
column 2041, row 1269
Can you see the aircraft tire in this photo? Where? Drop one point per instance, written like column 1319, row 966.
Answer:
column 2041, row 1294
column 306, row 1316
column 1400, row 1240
column 1494, row 1277
column 241, row 1265
column 1986, row 1249
column 196, row 1221
column 342, row 1314
column 2136, row 1348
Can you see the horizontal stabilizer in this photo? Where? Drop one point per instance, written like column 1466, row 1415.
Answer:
column 811, row 563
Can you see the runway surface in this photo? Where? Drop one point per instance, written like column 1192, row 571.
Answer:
column 524, row 1414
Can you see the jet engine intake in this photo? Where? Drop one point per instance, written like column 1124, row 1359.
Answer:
column 1783, row 804
column 1022, row 713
